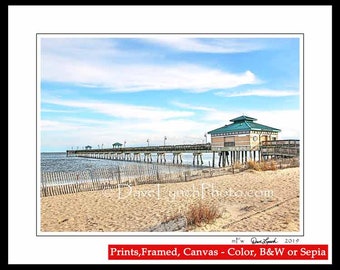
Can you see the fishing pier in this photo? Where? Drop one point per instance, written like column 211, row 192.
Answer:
column 145, row 154
column 238, row 142
column 221, row 156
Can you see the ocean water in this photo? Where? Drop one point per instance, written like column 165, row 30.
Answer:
column 59, row 162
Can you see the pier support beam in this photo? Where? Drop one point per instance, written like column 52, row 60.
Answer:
column 127, row 156
column 136, row 157
column 147, row 157
column 161, row 158
column 198, row 157
column 213, row 159
column 177, row 158
column 223, row 160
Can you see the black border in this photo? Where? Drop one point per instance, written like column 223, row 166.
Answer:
column 175, row 235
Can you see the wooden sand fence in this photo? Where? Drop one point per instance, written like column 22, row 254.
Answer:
column 58, row 183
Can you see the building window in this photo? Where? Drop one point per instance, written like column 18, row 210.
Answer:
column 226, row 144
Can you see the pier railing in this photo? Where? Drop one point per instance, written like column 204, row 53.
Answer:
column 285, row 148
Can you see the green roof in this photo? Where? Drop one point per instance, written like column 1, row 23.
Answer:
column 243, row 123
column 243, row 118
column 117, row 144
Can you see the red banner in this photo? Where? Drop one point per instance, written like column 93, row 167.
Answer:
column 218, row 252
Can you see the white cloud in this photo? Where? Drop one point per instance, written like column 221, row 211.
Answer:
column 134, row 78
column 74, row 132
column 124, row 111
column 57, row 111
column 81, row 132
column 259, row 92
column 192, row 107
column 101, row 63
column 93, row 49
column 209, row 45
column 53, row 125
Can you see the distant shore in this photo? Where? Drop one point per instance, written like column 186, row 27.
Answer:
column 249, row 201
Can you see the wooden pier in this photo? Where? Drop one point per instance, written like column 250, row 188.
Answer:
column 227, row 155
column 144, row 154
column 280, row 148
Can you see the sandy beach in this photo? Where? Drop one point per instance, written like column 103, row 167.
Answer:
column 249, row 201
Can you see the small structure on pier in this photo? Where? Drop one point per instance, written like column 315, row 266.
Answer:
column 117, row 145
column 241, row 139
column 88, row 147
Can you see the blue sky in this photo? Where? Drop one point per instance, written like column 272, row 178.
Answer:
column 98, row 90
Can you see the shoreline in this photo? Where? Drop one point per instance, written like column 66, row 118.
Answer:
column 247, row 201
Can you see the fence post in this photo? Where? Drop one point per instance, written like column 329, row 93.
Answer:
column 118, row 171
column 157, row 174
